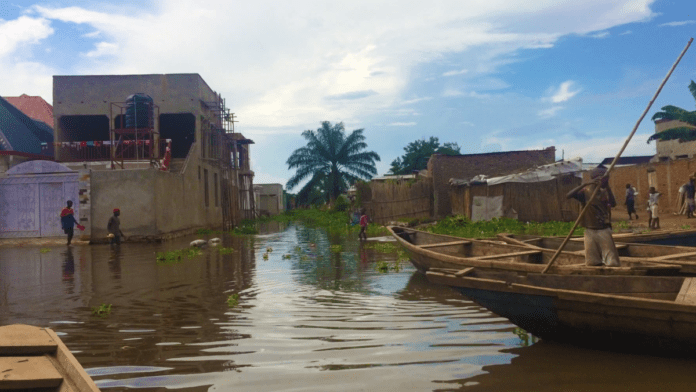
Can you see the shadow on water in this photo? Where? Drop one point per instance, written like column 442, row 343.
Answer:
column 313, row 314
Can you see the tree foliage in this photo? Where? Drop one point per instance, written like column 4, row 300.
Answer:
column 670, row 112
column 332, row 161
column 418, row 153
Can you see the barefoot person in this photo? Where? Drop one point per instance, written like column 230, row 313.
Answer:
column 114, row 228
column 68, row 222
column 599, row 245
column 631, row 201
column 364, row 219
column 653, row 205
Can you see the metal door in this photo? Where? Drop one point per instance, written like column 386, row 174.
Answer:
column 50, row 204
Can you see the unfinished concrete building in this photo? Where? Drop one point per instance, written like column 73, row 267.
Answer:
column 203, row 185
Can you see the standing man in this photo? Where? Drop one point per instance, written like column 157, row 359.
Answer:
column 631, row 201
column 653, row 206
column 599, row 244
column 689, row 190
column 114, row 228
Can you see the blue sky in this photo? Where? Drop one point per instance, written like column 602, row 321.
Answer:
column 490, row 75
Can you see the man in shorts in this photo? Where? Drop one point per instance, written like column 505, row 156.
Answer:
column 599, row 244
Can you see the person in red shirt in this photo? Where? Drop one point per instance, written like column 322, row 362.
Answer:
column 68, row 221
column 364, row 219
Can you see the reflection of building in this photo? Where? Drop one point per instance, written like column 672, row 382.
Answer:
column 114, row 130
column 271, row 200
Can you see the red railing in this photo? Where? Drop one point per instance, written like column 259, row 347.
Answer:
column 101, row 150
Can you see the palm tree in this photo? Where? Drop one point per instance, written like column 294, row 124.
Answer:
column 332, row 160
column 670, row 112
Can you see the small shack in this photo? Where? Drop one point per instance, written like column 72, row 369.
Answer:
column 537, row 195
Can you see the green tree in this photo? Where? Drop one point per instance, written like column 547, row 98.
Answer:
column 418, row 153
column 332, row 161
column 670, row 112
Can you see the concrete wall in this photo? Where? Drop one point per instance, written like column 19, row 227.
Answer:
column 270, row 198
column 674, row 148
column 129, row 190
column 443, row 167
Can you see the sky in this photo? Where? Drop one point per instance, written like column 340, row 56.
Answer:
column 489, row 75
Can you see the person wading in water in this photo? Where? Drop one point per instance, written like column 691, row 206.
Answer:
column 67, row 220
column 114, row 228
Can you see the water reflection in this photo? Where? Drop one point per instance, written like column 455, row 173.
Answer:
column 322, row 319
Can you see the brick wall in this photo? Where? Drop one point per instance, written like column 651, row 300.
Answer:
column 444, row 167
column 667, row 177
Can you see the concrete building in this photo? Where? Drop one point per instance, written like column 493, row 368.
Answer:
column 444, row 167
column 271, row 199
column 673, row 149
column 119, row 167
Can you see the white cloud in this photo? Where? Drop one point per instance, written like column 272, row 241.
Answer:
column 550, row 112
column 22, row 31
column 451, row 92
column 453, row 73
column 627, row 32
column 596, row 149
column 563, row 92
column 680, row 23
column 602, row 34
column 402, row 124
column 103, row 49
column 415, row 100
column 276, row 68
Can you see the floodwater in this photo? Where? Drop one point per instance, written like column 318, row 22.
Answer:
column 320, row 319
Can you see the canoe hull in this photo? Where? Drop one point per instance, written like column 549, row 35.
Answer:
column 587, row 319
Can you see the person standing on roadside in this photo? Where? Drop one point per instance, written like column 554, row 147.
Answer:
column 689, row 190
column 114, row 228
column 631, row 201
column 599, row 244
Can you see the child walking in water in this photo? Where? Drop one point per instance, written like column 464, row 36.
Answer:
column 364, row 219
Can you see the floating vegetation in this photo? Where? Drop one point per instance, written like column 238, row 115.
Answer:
column 269, row 249
column 381, row 247
column 298, row 249
column 102, row 310
column 336, row 248
column 304, row 258
column 45, row 250
column 383, row 266
column 526, row 339
column 226, row 251
column 265, row 256
column 204, row 231
column 287, row 256
column 175, row 256
column 402, row 255
column 233, row 300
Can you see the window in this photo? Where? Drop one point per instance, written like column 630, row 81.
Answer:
column 215, row 188
column 205, row 187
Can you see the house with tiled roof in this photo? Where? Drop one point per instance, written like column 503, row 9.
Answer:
column 33, row 106
column 21, row 134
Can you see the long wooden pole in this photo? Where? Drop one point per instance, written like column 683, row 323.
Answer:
column 635, row 128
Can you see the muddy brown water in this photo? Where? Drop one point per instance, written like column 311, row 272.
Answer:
column 322, row 320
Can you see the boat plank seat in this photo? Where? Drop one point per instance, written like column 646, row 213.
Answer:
column 28, row 373
column 441, row 244
column 17, row 339
column 687, row 293
column 676, row 256
column 621, row 246
column 506, row 255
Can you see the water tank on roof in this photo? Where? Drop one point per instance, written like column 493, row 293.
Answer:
column 140, row 111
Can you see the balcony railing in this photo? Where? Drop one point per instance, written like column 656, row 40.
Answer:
column 99, row 150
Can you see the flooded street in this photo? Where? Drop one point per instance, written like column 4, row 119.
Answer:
column 310, row 317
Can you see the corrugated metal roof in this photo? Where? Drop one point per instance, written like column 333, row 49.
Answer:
column 18, row 132
column 33, row 106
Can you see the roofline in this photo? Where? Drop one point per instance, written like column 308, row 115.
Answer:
column 495, row 153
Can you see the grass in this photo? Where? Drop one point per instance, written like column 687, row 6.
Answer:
column 461, row 226
column 45, row 250
column 685, row 227
column 102, row 310
column 226, row 251
column 233, row 300
column 336, row 248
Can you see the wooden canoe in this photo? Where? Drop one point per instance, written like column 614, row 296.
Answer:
column 635, row 313
column 33, row 358
column 683, row 256
column 427, row 250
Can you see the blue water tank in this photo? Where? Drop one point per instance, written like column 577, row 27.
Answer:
column 140, row 111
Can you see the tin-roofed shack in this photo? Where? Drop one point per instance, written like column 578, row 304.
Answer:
column 535, row 195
